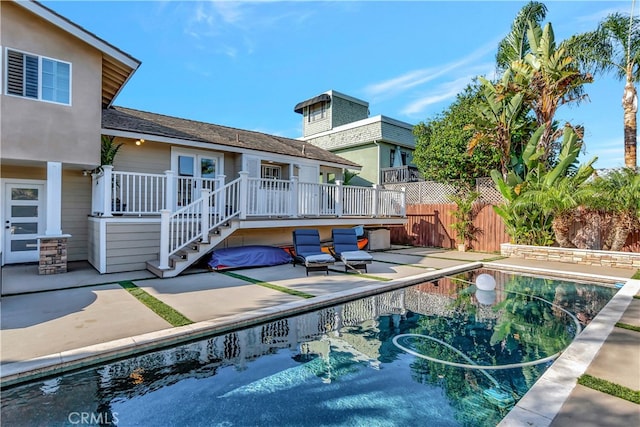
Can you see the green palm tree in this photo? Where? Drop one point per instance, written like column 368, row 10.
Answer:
column 534, row 218
column 615, row 47
column 559, row 198
column 548, row 77
column 515, row 45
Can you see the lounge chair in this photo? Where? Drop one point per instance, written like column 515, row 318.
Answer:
column 306, row 244
column 345, row 249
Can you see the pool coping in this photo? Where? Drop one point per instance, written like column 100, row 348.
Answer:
column 538, row 407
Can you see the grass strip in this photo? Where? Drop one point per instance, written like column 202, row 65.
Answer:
column 268, row 285
column 636, row 275
column 610, row 388
column 495, row 258
column 636, row 296
column 628, row 326
column 168, row 313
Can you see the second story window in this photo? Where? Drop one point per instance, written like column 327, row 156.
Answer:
column 38, row 77
column 316, row 112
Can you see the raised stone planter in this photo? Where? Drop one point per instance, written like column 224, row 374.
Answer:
column 574, row 256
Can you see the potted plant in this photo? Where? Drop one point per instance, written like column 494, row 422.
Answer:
column 108, row 151
column 465, row 213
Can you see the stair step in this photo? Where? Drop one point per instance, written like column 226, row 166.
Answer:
column 183, row 258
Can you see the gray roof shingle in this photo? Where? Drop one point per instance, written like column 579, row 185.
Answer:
column 130, row 120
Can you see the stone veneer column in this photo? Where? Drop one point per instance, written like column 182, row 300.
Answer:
column 53, row 254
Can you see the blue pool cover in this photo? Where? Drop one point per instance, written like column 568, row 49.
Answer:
column 248, row 256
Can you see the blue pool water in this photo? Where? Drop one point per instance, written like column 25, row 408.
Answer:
column 437, row 354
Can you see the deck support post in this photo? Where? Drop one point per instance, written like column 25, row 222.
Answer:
column 244, row 194
column 293, row 210
column 339, row 198
column 375, row 197
column 170, row 191
column 165, row 218
column 107, row 180
column 205, row 214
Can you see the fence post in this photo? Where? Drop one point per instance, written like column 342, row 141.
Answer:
column 170, row 191
column 339, row 199
column 375, row 200
column 403, row 201
column 205, row 214
column 244, row 194
column 108, row 190
column 165, row 215
column 293, row 209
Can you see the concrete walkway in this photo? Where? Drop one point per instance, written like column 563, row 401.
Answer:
column 40, row 326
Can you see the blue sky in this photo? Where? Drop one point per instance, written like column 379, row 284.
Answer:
column 246, row 64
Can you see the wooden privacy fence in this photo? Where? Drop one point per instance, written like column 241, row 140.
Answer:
column 430, row 225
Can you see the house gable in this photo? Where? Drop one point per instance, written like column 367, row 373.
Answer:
column 38, row 127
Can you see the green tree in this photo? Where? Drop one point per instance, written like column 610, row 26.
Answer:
column 615, row 47
column 526, row 220
column 497, row 119
column 547, row 77
column 441, row 143
column 515, row 45
column 559, row 197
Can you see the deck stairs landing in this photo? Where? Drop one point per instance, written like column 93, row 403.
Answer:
column 194, row 251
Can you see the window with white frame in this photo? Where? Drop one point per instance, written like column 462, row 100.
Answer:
column 271, row 172
column 37, row 77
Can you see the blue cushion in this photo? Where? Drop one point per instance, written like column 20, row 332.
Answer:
column 355, row 256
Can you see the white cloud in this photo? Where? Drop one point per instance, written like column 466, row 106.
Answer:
column 596, row 17
column 241, row 21
column 411, row 79
column 447, row 90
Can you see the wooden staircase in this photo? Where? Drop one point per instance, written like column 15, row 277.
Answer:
column 191, row 253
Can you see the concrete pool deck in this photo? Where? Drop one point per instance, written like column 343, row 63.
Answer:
column 40, row 328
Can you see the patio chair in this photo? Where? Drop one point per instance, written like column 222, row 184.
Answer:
column 306, row 244
column 345, row 249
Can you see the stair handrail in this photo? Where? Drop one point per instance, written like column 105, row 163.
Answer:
column 196, row 220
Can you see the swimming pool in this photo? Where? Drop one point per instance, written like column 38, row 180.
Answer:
column 441, row 353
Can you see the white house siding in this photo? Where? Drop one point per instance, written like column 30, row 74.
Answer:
column 76, row 207
column 94, row 252
column 129, row 245
column 150, row 157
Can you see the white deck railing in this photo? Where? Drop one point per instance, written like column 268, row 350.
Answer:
column 196, row 220
column 134, row 193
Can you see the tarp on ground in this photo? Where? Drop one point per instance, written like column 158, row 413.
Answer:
column 248, row 256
